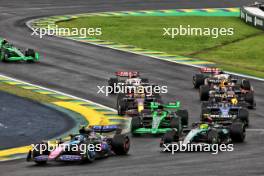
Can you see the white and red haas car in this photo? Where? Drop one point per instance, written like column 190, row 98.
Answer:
column 128, row 78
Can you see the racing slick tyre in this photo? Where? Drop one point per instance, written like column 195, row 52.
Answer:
column 169, row 137
column 198, row 80
column 184, row 117
column 176, row 123
column 213, row 137
column 249, row 98
column 144, row 80
column 30, row 52
column 243, row 116
column 6, row 56
column 39, row 152
column 120, row 144
column 89, row 155
column 121, row 104
column 135, row 124
column 112, row 82
column 204, row 92
column 245, row 84
column 237, row 132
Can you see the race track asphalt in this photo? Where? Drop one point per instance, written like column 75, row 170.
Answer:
column 24, row 122
column 78, row 68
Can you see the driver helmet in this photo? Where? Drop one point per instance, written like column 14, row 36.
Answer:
column 234, row 101
column 204, row 126
column 223, row 83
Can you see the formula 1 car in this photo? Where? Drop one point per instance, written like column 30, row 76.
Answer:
column 161, row 118
column 224, row 113
column 235, row 97
column 8, row 53
column 206, row 133
column 86, row 146
column 209, row 77
column 242, row 93
column 212, row 73
column 128, row 78
column 133, row 103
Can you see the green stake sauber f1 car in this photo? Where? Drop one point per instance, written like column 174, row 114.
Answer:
column 9, row 53
column 160, row 119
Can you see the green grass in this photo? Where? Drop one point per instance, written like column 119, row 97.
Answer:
column 245, row 56
column 234, row 53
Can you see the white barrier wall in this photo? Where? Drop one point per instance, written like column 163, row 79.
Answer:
column 253, row 16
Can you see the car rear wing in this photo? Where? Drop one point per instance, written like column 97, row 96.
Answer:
column 156, row 105
column 222, row 95
column 217, row 107
column 214, row 80
column 105, row 129
column 210, row 70
column 127, row 73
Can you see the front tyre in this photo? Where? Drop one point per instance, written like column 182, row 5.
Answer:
column 184, row 117
column 198, row 80
column 237, row 132
column 120, row 144
column 90, row 155
column 204, row 92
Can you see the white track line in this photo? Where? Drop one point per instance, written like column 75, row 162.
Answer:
column 254, row 130
column 59, row 92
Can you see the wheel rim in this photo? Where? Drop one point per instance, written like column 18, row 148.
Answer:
column 126, row 144
column 90, row 154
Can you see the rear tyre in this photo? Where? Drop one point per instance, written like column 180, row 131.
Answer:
column 6, row 56
column 144, row 80
column 169, row 137
column 32, row 53
column 198, row 80
column 175, row 123
column 89, row 155
column 243, row 116
column 213, row 137
column 184, row 117
column 36, row 153
column 204, row 92
column 249, row 98
column 111, row 83
column 135, row 124
column 245, row 84
column 121, row 104
column 120, row 144
column 237, row 132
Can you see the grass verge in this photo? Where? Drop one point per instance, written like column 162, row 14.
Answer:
column 240, row 52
